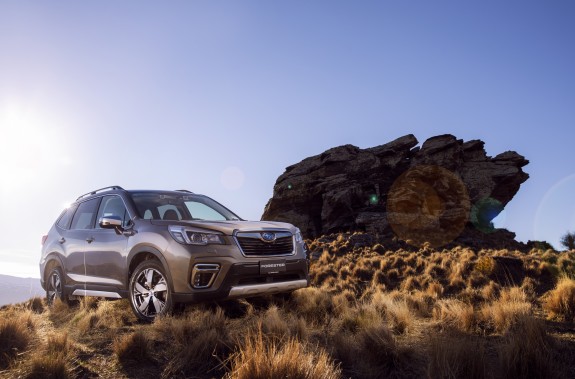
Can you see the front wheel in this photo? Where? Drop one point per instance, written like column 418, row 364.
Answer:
column 150, row 294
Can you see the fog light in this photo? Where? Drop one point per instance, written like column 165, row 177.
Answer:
column 204, row 274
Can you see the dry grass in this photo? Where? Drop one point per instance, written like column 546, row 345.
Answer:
column 560, row 302
column 15, row 336
column 133, row 348
column 456, row 356
column 371, row 312
column 527, row 351
column 455, row 314
column 262, row 358
column 52, row 361
column 35, row 304
column 194, row 342
column 97, row 315
column 504, row 312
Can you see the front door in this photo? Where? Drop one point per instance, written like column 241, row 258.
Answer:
column 106, row 256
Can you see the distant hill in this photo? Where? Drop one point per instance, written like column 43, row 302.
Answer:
column 17, row 290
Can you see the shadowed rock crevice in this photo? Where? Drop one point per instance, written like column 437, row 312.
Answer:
column 399, row 189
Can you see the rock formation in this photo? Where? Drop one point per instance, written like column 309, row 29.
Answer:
column 419, row 194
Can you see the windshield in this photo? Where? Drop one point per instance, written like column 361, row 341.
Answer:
column 176, row 207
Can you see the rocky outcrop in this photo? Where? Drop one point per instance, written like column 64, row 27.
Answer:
column 420, row 194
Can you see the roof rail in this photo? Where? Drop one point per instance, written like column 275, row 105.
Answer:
column 99, row 190
column 184, row 190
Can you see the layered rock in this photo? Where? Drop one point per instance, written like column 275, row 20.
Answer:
column 423, row 194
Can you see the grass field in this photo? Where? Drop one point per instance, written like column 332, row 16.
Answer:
column 371, row 313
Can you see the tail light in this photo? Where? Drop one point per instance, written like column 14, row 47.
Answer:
column 44, row 238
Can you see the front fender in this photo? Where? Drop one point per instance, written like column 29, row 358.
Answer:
column 148, row 249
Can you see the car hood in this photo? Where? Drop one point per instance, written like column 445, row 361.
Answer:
column 229, row 227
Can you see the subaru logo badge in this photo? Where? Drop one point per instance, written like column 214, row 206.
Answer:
column 268, row 236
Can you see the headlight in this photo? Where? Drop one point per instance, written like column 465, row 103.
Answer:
column 298, row 236
column 189, row 236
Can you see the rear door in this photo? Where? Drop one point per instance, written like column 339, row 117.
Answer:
column 75, row 240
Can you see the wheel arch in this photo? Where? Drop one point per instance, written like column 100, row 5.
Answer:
column 142, row 253
column 52, row 260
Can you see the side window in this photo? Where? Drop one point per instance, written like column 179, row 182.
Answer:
column 169, row 212
column 112, row 206
column 85, row 215
column 65, row 217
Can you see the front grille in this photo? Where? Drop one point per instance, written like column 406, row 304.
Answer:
column 252, row 244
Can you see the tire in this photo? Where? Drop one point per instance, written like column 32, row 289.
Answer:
column 55, row 288
column 150, row 294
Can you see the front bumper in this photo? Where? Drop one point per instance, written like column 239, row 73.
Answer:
column 266, row 288
column 244, row 280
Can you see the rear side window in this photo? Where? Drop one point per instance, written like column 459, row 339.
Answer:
column 85, row 215
column 64, row 220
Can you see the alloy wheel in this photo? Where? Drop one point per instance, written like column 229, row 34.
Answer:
column 150, row 292
column 54, row 290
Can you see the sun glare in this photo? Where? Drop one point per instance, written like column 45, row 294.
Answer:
column 27, row 146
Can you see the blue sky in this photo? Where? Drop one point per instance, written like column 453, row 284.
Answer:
column 220, row 96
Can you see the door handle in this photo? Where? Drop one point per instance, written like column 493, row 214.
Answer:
column 90, row 239
column 62, row 240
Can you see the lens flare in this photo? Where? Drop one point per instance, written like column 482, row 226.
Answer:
column 556, row 212
column 232, row 178
column 428, row 204
column 483, row 212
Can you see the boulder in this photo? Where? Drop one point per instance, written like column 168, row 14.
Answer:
column 431, row 193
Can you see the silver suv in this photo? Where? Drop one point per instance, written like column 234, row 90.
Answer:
column 159, row 248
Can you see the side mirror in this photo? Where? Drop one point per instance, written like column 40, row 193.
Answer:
column 110, row 222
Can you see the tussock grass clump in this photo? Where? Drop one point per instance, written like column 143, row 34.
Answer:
column 101, row 316
column 48, row 366
column 275, row 323
column 560, row 302
column 52, row 362
column 194, row 342
column 133, row 348
column 260, row 358
column 527, row 351
column 452, row 313
column 490, row 291
column 60, row 312
column 395, row 309
column 373, row 351
column 313, row 303
column 359, row 318
column 503, row 313
column 435, row 289
column 566, row 263
column 14, row 339
column 456, row 356
column 35, row 304
column 89, row 303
